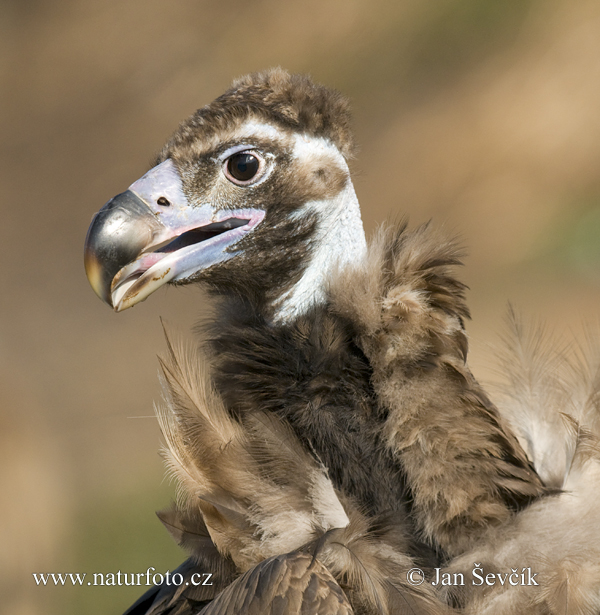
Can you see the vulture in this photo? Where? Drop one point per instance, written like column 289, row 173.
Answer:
column 332, row 450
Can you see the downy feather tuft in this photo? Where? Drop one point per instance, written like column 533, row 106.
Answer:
column 550, row 397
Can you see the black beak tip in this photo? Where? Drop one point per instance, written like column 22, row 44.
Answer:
column 117, row 235
column 99, row 277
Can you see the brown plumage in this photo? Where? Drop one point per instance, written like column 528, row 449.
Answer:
column 379, row 388
column 464, row 467
column 294, row 583
column 261, row 494
column 293, row 102
column 329, row 436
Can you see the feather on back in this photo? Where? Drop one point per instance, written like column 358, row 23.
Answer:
column 550, row 397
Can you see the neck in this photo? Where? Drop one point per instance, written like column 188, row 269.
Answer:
column 339, row 240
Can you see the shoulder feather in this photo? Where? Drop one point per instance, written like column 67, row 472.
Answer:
column 465, row 469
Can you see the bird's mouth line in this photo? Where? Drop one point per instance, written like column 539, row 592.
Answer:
column 178, row 256
column 198, row 235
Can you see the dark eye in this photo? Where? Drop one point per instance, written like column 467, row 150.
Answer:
column 242, row 168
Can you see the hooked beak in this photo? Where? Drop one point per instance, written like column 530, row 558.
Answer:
column 149, row 235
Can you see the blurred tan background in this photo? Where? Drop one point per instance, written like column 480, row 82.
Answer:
column 481, row 114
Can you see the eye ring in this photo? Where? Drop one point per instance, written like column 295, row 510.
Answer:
column 244, row 168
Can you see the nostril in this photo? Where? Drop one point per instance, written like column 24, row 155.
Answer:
column 163, row 201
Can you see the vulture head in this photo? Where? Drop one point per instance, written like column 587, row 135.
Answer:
column 251, row 195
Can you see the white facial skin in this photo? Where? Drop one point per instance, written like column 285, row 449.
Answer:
column 340, row 235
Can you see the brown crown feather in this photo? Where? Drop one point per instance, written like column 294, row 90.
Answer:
column 292, row 102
